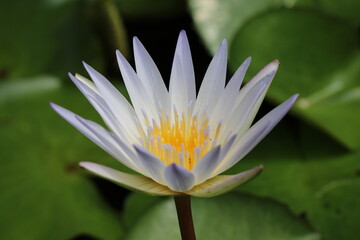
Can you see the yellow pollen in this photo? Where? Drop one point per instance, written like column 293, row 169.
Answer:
column 183, row 141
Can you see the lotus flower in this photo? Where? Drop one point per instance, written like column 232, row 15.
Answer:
column 178, row 141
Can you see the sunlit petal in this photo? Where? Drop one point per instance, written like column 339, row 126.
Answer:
column 130, row 181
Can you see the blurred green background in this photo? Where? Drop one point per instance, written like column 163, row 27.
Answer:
column 310, row 188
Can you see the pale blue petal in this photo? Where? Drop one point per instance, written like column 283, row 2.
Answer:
column 242, row 116
column 101, row 107
column 153, row 166
column 223, row 183
column 101, row 139
column 130, row 181
column 140, row 98
column 118, row 104
column 206, row 165
column 182, row 80
column 225, row 103
column 150, row 75
column 255, row 134
column 213, row 82
column 178, row 178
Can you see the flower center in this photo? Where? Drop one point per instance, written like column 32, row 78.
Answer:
column 182, row 141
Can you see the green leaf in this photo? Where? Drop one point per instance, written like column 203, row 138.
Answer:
column 136, row 205
column 302, row 168
column 222, row 19
column 231, row 216
column 46, row 194
column 48, row 36
column 348, row 10
column 338, row 203
column 320, row 60
column 218, row 20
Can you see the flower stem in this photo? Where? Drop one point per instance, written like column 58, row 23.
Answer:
column 117, row 28
column 183, row 209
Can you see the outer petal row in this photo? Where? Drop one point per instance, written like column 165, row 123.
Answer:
column 212, row 187
column 120, row 107
column 100, row 136
column 130, row 181
column 224, row 183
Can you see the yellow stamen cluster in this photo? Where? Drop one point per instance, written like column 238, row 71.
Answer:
column 182, row 141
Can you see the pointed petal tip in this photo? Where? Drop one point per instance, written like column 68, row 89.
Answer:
column 137, row 43
column 53, row 105
column 72, row 77
column 120, row 57
column 90, row 69
column 272, row 66
column 85, row 164
column 293, row 99
column 86, row 65
column 135, row 39
column 56, row 107
column 183, row 36
column 182, row 32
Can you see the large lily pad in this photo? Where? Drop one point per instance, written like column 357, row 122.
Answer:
column 44, row 193
column 45, row 36
column 309, row 172
column 230, row 216
column 322, row 65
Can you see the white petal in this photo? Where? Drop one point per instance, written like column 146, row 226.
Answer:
column 87, row 82
column 130, row 181
column 214, row 81
column 226, row 100
column 255, row 134
column 101, row 139
column 269, row 68
column 243, row 146
column 206, row 165
column 182, row 80
column 222, row 184
column 92, row 94
column 153, row 166
column 140, row 98
column 225, row 149
column 111, row 120
column 118, row 104
column 178, row 178
column 120, row 150
column 150, row 75
column 243, row 115
column 238, row 77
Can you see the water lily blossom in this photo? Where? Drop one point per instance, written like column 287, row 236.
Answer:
column 178, row 141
